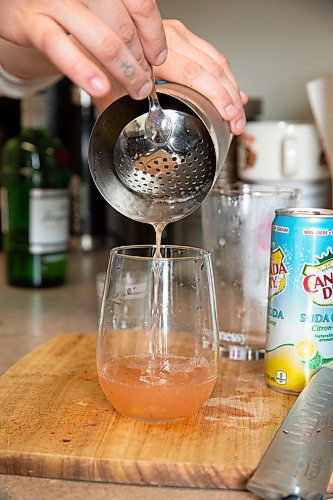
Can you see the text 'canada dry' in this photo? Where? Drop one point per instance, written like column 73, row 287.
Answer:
column 300, row 310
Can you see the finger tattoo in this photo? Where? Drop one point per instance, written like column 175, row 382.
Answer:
column 128, row 69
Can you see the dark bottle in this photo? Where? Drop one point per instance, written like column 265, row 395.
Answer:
column 9, row 127
column 88, row 207
column 35, row 201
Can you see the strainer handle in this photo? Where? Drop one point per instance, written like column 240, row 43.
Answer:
column 158, row 125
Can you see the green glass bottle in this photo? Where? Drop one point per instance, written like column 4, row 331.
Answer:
column 35, row 202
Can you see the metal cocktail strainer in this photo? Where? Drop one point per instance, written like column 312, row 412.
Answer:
column 159, row 166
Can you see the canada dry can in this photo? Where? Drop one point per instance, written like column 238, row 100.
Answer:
column 300, row 310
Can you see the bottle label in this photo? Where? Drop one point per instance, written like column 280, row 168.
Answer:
column 49, row 221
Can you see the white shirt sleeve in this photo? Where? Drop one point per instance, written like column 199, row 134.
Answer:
column 17, row 88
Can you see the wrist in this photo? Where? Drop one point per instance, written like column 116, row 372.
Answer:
column 24, row 62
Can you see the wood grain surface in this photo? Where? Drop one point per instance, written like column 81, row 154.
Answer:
column 55, row 422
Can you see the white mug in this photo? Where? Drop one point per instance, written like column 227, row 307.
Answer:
column 279, row 150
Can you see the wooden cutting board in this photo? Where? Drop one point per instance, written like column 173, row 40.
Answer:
column 55, row 422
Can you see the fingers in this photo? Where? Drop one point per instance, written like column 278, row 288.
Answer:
column 54, row 43
column 106, row 47
column 208, row 49
column 234, row 108
column 244, row 97
column 119, row 21
column 211, row 51
column 91, row 40
column 147, row 19
column 194, row 62
column 186, row 71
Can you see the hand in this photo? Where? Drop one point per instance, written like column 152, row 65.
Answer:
column 116, row 37
column 197, row 64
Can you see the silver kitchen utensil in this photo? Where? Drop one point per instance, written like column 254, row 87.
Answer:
column 158, row 125
column 299, row 462
column 158, row 178
column 156, row 129
column 154, row 154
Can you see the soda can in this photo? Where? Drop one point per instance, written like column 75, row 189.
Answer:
column 300, row 305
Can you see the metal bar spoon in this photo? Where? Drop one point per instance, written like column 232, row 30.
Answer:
column 158, row 125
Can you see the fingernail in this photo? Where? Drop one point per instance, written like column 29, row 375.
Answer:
column 145, row 89
column 161, row 57
column 97, row 84
column 240, row 124
column 230, row 110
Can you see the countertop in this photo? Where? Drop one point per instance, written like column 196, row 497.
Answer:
column 30, row 317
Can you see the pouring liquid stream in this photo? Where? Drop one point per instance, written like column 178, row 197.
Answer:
column 157, row 341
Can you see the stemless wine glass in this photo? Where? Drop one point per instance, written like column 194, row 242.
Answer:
column 157, row 350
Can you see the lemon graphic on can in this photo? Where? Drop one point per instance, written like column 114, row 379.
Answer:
column 306, row 351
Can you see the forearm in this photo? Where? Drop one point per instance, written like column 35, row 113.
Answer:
column 23, row 71
column 25, row 62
